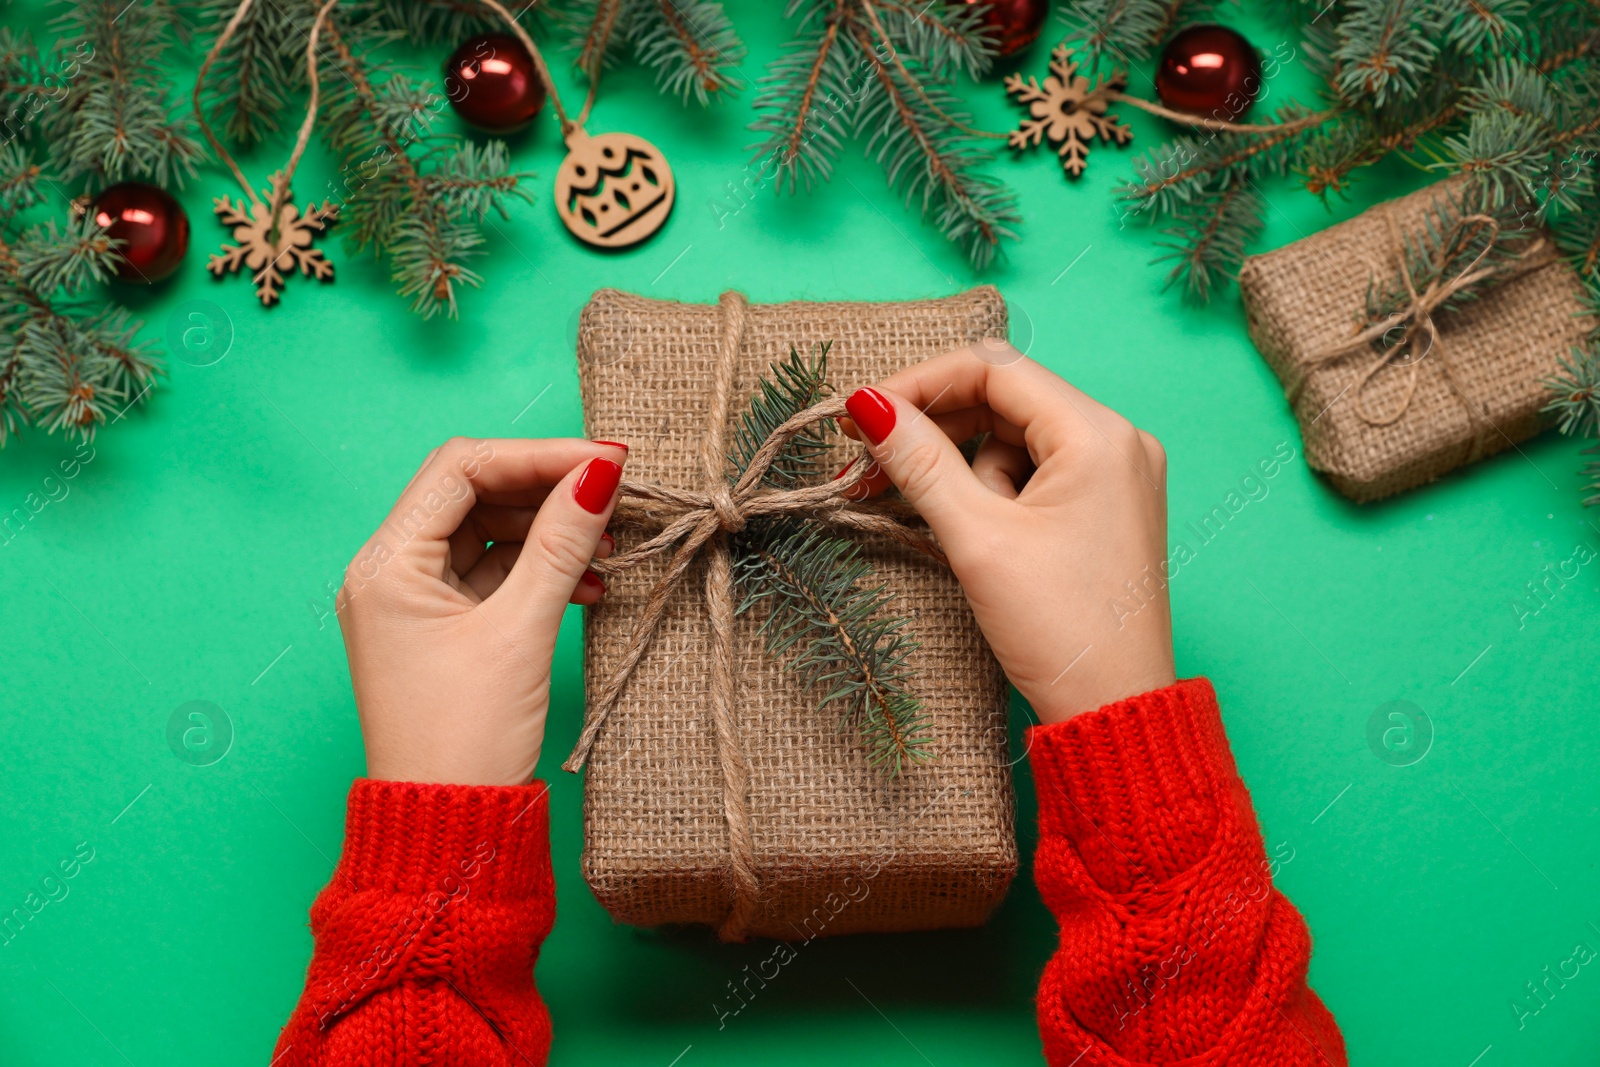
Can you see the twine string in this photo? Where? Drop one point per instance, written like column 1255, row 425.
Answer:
column 1107, row 91
column 568, row 124
column 1416, row 320
column 689, row 518
column 703, row 520
column 720, row 610
column 1116, row 96
column 280, row 182
column 199, row 110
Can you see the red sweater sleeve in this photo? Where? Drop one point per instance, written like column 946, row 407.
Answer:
column 425, row 939
column 1174, row 944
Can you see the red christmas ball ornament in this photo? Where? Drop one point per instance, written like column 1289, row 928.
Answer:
column 151, row 225
column 1209, row 71
column 493, row 85
column 1016, row 23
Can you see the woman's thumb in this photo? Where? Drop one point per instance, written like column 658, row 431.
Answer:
column 563, row 538
column 914, row 452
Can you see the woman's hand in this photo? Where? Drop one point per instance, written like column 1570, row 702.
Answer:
column 1057, row 530
column 450, row 611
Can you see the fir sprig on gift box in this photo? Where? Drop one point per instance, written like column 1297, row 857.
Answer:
column 823, row 611
column 1458, row 236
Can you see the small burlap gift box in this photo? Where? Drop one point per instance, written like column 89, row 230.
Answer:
column 1379, row 423
column 758, row 815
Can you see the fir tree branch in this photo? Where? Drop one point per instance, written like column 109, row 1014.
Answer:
column 1113, row 33
column 1575, row 404
column 598, row 38
column 1365, row 138
column 26, row 88
column 1560, row 33
column 250, row 84
column 879, row 70
column 1530, row 138
column 1591, row 470
column 447, row 22
column 801, row 142
column 1211, row 232
column 1188, row 168
column 946, row 39
column 1386, row 49
column 19, row 181
column 114, row 121
column 689, row 44
column 69, row 364
column 49, row 259
column 1474, row 25
column 1577, row 233
column 1575, row 393
column 916, row 129
column 415, row 197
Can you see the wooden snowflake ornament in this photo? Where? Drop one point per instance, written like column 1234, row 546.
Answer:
column 1068, row 110
column 271, row 257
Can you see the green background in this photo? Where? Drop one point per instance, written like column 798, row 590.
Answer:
column 194, row 558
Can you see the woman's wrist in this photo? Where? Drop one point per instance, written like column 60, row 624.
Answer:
column 1131, row 681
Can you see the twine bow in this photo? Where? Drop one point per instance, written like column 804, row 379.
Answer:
column 1416, row 320
column 696, row 520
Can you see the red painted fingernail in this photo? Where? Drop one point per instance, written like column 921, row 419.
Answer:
column 593, row 581
column 613, row 444
column 610, row 541
column 871, row 413
column 848, row 467
column 597, row 485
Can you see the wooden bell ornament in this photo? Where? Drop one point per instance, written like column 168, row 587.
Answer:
column 613, row 189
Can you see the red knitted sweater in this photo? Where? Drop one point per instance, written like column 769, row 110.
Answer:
column 1174, row 946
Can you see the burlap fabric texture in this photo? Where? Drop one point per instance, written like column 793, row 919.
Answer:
column 821, row 843
column 1450, row 398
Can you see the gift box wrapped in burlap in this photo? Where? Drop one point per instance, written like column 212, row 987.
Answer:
column 774, row 823
column 1378, row 421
